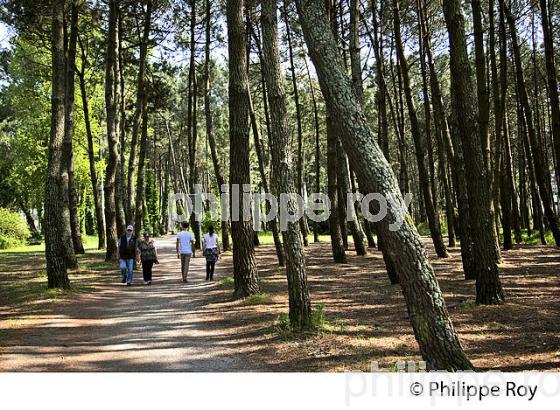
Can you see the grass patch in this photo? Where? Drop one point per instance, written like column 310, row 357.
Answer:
column 469, row 304
column 90, row 244
column 320, row 324
column 259, row 299
column 227, row 282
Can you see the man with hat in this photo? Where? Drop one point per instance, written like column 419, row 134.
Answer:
column 128, row 253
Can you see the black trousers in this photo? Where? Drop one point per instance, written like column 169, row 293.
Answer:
column 147, row 270
column 210, row 270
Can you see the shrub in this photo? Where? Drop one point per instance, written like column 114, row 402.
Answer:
column 13, row 230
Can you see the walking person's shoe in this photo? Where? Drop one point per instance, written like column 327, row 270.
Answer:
column 128, row 284
column 123, row 280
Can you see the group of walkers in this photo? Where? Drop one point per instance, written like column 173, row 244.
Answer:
column 133, row 251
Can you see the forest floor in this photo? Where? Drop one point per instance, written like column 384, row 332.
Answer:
column 102, row 325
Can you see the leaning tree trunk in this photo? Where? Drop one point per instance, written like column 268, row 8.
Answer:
column 488, row 286
column 209, row 125
column 244, row 266
column 55, row 214
column 112, row 99
column 300, row 305
column 419, row 143
column 439, row 344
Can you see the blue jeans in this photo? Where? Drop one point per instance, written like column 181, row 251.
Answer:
column 127, row 269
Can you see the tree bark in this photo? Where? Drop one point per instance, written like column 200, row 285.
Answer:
column 112, row 100
column 300, row 305
column 55, row 213
column 132, row 190
column 209, row 123
column 455, row 158
column 337, row 244
column 75, row 227
column 542, row 172
column 245, row 273
column 139, row 189
column 304, row 227
column 419, row 142
column 439, row 344
column 552, row 82
column 464, row 112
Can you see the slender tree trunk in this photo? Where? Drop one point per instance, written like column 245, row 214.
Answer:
column 112, row 100
column 317, row 145
column 542, row 172
column 244, row 266
column 419, row 143
column 121, row 191
column 99, row 218
column 439, row 344
column 552, row 82
column 304, row 228
column 337, row 244
column 488, row 286
column 139, row 189
column 209, row 123
column 55, row 213
column 300, row 304
column 77, row 243
column 260, row 158
column 138, row 115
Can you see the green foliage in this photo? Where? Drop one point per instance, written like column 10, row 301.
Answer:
column 13, row 230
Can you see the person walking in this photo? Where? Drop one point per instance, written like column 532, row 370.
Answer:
column 148, row 256
column 211, row 250
column 184, row 246
column 127, row 254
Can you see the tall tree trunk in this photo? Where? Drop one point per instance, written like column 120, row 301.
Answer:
column 139, row 189
column 304, row 228
column 75, row 227
column 260, row 158
column 455, row 158
column 209, row 123
column 138, row 115
column 95, row 186
column 542, row 172
column 112, row 100
column 300, row 304
column 317, row 145
column 121, row 191
column 56, row 215
column 484, row 110
column 464, row 112
column 244, row 266
column 552, row 82
column 439, row 344
column 419, row 143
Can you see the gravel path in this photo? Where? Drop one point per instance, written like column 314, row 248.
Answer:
column 167, row 326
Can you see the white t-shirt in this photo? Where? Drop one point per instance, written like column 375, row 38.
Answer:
column 185, row 239
column 211, row 241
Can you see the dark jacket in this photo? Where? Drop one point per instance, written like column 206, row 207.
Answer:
column 127, row 249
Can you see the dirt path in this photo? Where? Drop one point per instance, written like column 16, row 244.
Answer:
column 167, row 326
